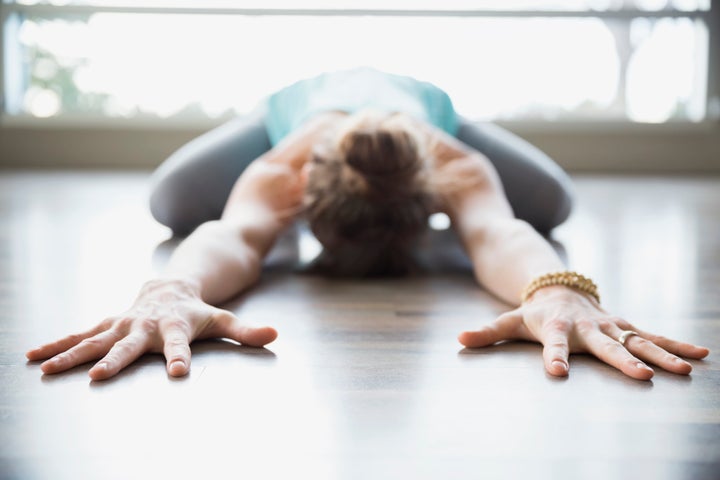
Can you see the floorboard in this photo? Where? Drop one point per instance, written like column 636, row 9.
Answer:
column 366, row 379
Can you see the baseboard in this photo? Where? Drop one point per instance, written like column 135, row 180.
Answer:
column 582, row 147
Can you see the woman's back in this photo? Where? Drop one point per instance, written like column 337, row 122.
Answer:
column 354, row 90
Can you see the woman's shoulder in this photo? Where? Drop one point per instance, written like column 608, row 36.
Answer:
column 456, row 170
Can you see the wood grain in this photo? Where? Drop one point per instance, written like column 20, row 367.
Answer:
column 366, row 379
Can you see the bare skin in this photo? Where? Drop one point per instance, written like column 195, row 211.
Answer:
column 224, row 257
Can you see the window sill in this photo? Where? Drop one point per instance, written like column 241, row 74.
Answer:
column 610, row 147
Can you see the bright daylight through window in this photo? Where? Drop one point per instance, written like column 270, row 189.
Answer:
column 615, row 60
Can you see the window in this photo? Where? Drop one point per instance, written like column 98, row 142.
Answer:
column 614, row 60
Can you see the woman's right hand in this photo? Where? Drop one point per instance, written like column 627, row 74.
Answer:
column 166, row 317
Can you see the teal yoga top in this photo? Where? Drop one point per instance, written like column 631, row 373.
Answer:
column 353, row 90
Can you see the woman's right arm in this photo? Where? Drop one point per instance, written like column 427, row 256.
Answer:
column 215, row 263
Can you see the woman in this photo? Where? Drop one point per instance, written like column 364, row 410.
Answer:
column 366, row 157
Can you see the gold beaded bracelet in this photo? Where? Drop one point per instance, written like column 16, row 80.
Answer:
column 567, row 278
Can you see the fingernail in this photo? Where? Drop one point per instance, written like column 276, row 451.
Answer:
column 177, row 365
column 561, row 365
column 101, row 366
column 643, row 366
column 682, row 362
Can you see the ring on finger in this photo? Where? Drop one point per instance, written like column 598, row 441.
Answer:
column 625, row 335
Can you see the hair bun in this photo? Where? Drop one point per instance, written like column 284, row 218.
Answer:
column 381, row 153
column 368, row 196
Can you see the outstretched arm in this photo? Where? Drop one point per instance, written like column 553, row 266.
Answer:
column 507, row 254
column 215, row 263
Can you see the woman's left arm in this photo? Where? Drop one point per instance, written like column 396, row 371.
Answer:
column 507, row 254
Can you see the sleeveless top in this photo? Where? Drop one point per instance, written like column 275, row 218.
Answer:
column 353, row 90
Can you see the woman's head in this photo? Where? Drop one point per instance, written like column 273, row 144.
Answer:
column 367, row 197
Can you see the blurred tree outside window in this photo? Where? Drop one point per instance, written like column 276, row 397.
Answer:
column 117, row 59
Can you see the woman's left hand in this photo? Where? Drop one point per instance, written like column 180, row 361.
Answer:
column 567, row 321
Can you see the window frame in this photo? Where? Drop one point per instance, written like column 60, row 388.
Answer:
column 710, row 17
column 548, row 135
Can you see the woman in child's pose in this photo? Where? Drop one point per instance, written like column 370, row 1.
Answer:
column 366, row 157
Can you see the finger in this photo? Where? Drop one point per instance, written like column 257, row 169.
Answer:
column 682, row 349
column 53, row 348
column 505, row 327
column 122, row 354
column 649, row 352
column 176, row 347
column 612, row 353
column 227, row 325
column 88, row 349
column 555, row 347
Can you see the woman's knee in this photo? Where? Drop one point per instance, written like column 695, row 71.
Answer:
column 538, row 190
column 555, row 203
column 173, row 204
column 193, row 184
column 543, row 198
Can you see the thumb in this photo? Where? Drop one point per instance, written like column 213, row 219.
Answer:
column 227, row 325
column 508, row 326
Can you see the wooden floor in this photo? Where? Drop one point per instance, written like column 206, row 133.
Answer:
column 367, row 380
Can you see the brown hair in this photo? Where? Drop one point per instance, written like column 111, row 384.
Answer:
column 367, row 198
